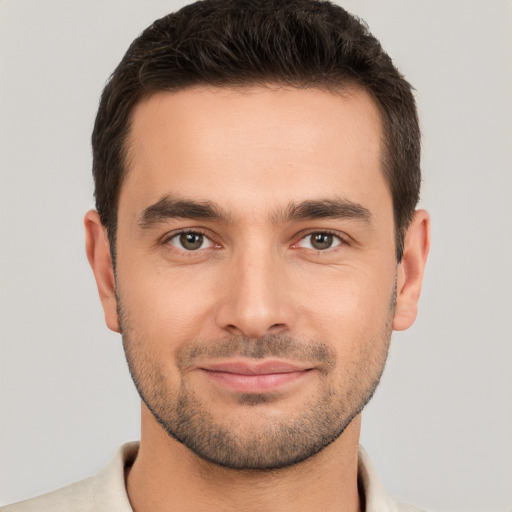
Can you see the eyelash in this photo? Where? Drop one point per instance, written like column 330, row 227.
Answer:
column 194, row 231
column 342, row 240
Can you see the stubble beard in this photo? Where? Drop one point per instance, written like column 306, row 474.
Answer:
column 279, row 442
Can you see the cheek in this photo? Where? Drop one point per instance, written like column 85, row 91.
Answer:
column 350, row 304
column 166, row 304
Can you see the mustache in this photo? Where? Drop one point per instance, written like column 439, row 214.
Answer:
column 270, row 345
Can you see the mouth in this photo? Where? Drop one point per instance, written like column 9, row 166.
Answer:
column 255, row 377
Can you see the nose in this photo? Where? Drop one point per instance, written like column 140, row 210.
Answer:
column 256, row 298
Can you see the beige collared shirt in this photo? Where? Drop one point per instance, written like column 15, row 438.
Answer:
column 106, row 491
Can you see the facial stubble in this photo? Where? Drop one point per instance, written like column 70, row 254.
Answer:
column 275, row 441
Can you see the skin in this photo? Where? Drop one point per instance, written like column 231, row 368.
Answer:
column 254, row 152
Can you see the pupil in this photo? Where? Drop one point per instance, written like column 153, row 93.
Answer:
column 191, row 241
column 322, row 241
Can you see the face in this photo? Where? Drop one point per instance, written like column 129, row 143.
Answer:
column 255, row 272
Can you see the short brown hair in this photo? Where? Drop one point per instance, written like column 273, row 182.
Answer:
column 300, row 43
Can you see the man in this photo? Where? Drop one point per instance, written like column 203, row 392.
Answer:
column 255, row 243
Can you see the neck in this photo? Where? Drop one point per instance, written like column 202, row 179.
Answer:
column 168, row 476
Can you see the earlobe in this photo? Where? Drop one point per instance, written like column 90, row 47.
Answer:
column 411, row 270
column 98, row 253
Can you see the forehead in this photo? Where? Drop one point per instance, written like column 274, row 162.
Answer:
column 276, row 143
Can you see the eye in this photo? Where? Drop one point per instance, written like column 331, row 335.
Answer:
column 190, row 241
column 320, row 241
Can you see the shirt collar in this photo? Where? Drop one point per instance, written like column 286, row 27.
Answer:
column 111, row 492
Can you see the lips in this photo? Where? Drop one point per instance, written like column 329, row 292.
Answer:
column 257, row 377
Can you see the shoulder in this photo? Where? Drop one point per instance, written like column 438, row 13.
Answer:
column 405, row 507
column 77, row 497
column 103, row 492
column 375, row 495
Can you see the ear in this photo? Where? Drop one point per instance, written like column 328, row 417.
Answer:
column 98, row 254
column 411, row 269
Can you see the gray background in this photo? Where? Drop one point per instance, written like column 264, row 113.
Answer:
column 439, row 428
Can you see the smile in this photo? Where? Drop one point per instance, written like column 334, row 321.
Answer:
column 243, row 377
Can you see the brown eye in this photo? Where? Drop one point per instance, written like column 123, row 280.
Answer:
column 320, row 241
column 190, row 241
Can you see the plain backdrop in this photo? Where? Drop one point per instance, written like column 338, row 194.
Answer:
column 439, row 428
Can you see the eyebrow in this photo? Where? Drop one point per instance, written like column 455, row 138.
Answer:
column 339, row 208
column 169, row 207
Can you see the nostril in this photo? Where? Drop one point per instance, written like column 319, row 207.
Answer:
column 233, row 329
column 277, row 327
